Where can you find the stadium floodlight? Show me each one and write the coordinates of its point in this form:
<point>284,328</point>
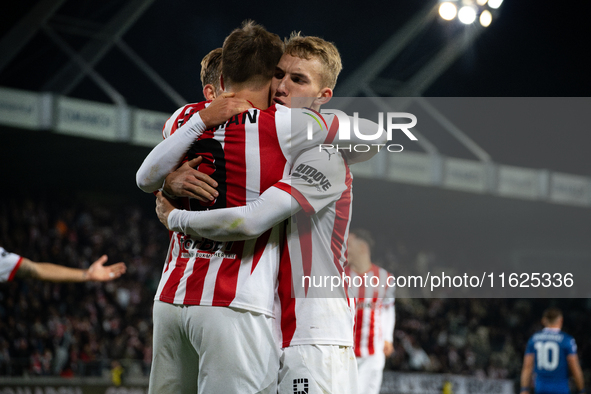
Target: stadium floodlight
<point>494,4</point>
<point>448,11</point>
<point>481,2</point>
<point>467,15</point>
<point>485,18</point>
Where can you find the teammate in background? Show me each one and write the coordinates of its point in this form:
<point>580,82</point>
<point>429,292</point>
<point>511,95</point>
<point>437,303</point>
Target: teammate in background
<point>374,323</point>
<point>14,266</point>
<point>550,354</point>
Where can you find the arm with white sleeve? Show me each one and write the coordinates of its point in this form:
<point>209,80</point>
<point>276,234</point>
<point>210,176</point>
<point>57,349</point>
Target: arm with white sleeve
<point>167,155</point>
<point>276,204</point>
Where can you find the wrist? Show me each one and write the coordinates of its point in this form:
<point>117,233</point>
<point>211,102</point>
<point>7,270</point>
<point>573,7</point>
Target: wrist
<point>165,192</point>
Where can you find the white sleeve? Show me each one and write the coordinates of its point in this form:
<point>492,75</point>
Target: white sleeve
<point>9,264</point>
<point>318,177</point>
<point>166,156</point>
<point>238,223</point>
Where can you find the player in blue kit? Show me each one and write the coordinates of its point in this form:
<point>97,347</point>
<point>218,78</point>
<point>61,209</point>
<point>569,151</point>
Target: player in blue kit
<point>550,354</point>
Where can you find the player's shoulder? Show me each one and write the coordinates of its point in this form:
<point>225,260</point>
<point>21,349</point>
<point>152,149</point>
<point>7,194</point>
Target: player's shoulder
<point>180,116</point>
<point>191,108</point>
<point>567,337</point>
<point>5,255</point>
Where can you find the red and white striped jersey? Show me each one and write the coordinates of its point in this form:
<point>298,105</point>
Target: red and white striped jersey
<point>246,155</point>
<point>314,310</point>
<point>375,316</point>
<point>9,263</point>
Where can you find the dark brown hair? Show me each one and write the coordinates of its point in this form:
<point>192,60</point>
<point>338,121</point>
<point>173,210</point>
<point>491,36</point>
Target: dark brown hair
<point>551,315</point>
<point>250,55</point>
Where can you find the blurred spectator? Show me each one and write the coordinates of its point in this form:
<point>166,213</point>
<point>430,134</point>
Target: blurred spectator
<point>76,329</point>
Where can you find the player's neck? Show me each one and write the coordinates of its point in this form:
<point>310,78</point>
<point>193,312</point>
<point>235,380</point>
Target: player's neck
<point>361,266</point>
<point>259,97</point>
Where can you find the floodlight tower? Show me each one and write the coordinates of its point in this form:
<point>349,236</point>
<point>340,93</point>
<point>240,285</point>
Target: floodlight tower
<point>473,16</point>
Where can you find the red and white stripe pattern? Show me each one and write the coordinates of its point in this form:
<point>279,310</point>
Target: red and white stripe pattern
<point>374,320</point>
<point>239,274</point>
<point>246,156</point>
<point>316,247</point>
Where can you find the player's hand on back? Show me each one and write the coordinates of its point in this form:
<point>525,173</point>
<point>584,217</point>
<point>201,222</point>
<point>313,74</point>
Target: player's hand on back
<point>223,108</point>
<point>186,181</point>
<point>164,206</point>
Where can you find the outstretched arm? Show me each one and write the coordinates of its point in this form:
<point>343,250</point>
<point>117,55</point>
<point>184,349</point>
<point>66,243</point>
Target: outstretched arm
<point>58,273</point>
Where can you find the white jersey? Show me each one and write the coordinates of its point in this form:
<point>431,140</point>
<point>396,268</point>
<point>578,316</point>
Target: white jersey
<point>247,155</point>
<point>375,317</point>
<point>9,264</point>
<point>312,313</point>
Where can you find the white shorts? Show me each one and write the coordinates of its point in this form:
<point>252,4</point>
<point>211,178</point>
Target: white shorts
<point>371,370</point>
<point>205,349</point>
<point>316,369</point>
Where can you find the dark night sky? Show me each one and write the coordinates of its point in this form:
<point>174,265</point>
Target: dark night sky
<point>535,48</point>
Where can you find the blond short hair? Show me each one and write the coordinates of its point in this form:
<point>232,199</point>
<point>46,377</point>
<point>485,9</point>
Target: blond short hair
<point>307,47</point>
<point>211,68</point>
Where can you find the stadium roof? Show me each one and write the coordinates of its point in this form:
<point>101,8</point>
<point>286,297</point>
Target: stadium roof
<point>535,48</point>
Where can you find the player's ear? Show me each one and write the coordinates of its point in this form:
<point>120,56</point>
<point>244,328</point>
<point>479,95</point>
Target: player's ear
<point>323,97</point>
<point>209,92</point>
<point>222,82</point>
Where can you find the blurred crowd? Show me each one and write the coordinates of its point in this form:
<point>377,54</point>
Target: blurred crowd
<point>89,329</point>
<point>483,337</point>
<point>79,329</point>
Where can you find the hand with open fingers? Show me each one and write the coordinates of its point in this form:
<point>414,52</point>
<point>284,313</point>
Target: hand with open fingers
<point>186,181</point>
<point>99,272</point>
<point>223,108</point>
<point>163,208</point>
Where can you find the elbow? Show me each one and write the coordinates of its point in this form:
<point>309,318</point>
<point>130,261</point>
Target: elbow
<point>249,231</point>
<point>143,182</point>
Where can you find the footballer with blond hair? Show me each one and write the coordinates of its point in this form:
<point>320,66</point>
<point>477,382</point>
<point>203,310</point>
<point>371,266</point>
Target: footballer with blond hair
<point>316,331</point>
